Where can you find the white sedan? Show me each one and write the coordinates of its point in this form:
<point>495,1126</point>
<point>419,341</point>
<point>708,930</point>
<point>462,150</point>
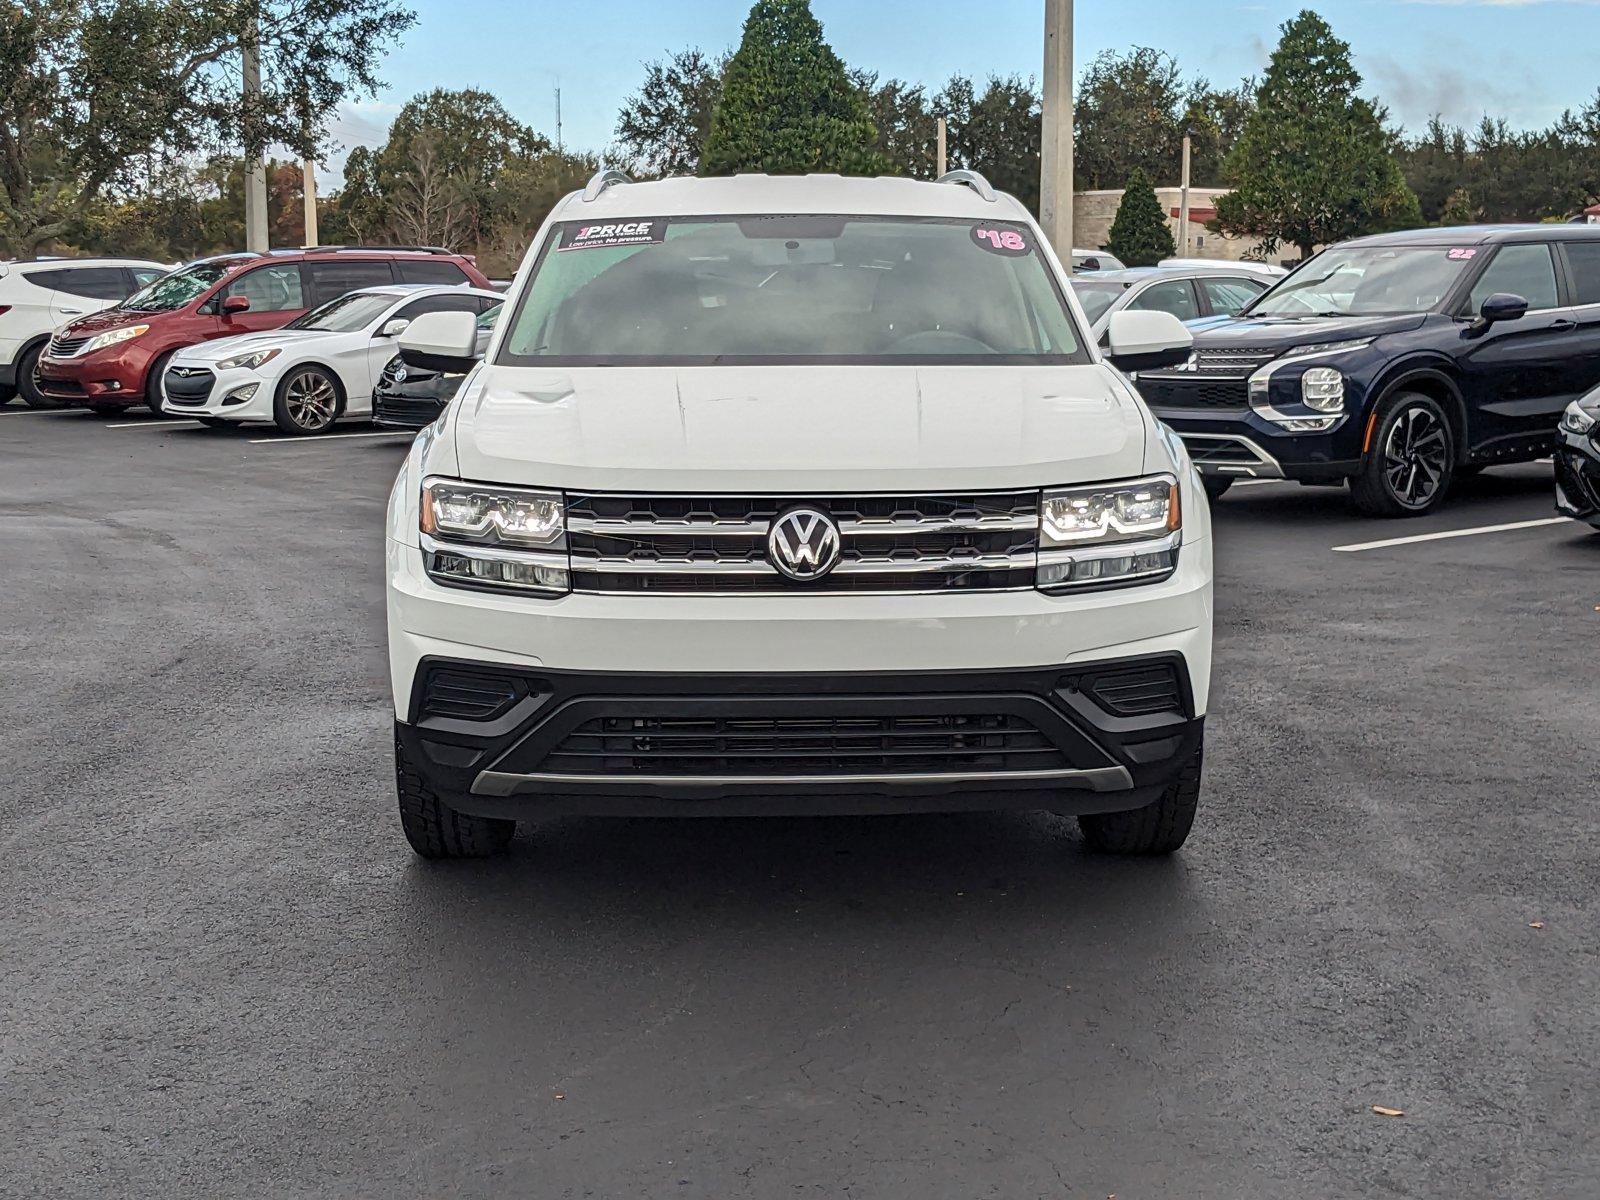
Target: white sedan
<point>318,368</point>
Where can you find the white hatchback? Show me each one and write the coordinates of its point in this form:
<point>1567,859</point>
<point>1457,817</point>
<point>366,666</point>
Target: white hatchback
<point>317,369</point>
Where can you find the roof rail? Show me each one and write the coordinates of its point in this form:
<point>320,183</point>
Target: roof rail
<point>412,249</point>
<point>972,180</point>
<point>601,180</point>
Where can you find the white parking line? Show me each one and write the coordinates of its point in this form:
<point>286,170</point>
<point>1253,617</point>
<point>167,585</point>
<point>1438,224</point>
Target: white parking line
<point>151,423</point>
<point>285,440</point>
<point>45,412</point>
<point>1452,533</point>
<point>1256,482</point>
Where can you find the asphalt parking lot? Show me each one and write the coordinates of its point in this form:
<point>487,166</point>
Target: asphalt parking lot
<point>226,974</point>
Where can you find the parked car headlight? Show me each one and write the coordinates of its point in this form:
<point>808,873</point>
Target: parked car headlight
<point>1322,388</point>
<point>1581,416</point>
<point>112,337</point>
<point>482,535</point>
<point>249,361</point>
<point>1109,534</point>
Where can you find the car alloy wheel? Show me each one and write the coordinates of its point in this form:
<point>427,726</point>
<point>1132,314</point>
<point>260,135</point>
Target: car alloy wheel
<point>311,401</point>
<point>1416,457</point>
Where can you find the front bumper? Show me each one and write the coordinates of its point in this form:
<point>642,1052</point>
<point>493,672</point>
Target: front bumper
<point>1101,737</point>
<point>952,657</point>
<point>1242,444</point>
<point>213,393</point>
<point>113,376</point>
<point>1577,466</point>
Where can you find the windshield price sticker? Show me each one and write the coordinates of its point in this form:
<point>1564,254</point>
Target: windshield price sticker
<point>616,233</point>
<point>999,239</point>
<point>1462,253</point>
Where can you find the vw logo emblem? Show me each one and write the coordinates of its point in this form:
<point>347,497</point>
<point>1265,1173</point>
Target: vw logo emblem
<point>803,543</point>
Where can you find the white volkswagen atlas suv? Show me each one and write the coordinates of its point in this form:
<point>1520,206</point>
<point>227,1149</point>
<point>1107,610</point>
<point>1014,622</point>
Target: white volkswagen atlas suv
<point>796,495</point>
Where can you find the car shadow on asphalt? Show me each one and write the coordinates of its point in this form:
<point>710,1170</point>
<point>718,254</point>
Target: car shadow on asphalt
<point>1484,496</point>
<point>920,868</point>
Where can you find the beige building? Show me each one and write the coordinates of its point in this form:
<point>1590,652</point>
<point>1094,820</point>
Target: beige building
<point>1093,213</point>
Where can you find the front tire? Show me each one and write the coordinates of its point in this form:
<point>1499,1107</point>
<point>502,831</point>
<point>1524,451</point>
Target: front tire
<point>1408,470</point>
<point>308,402</point>
<point>1158,828</point>
<point>434,829</point>
<point>28,379</point>
<point>152,382</point>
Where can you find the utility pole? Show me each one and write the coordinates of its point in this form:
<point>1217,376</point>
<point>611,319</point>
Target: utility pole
<point>308,188</point>
<point>941,169</point>
<point>255,172</point>
<point>560,149</point>
<point>1183,203</point>
<point>1055,157</point>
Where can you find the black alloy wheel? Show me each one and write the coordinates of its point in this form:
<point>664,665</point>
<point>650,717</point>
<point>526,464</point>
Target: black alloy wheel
<point>1411,461</point>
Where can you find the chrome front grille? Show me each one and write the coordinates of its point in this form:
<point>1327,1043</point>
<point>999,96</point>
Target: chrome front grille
<point>66,347</point>
<point>984,541</point>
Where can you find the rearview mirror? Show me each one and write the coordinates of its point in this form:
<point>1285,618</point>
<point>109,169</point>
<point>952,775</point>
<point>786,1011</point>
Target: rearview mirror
<point>1502,306</point>
<point>441,341</point>
<point>1147,340</point>
<point>394,327</point>
<point>235,304</point>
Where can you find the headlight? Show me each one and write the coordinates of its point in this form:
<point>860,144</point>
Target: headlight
<point>1109,534</point>
<point>1320,348</point>
<point>112,336</point>
<point>1322,388</point>
<point>1581,415</point>
<point>482,535</point>
<point>250,361</point>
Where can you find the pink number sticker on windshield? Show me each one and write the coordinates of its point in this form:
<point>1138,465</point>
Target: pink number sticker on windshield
<point>1461,253</point>
<point>1000,240</point>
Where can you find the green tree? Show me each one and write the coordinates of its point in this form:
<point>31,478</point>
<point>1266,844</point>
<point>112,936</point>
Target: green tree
<point>92,91</point>
<point>1128,118</point>
<point>1458,209</point>
<point>439,170</point>
<point>995,132</point>
<point>1139,235</point>
<point>787,103</point>
<point>908,130</point>
<point>662,127</point>
<point>1315,163</point>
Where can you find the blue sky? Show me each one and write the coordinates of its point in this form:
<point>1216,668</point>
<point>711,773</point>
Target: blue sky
<point>1525,60</point>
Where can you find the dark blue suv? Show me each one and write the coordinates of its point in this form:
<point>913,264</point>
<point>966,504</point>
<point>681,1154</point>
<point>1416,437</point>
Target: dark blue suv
<point>1397,362</point>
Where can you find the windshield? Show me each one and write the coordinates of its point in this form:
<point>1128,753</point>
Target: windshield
<point>1096,297</point>
<point>790,289</point>
<point>1369,281</point>
<point>489,316</point>
<point>172,292</point>
<point>346,314</point>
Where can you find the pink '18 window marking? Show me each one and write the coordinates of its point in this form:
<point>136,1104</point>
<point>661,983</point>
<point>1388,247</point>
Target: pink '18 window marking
<point>1003,239</point>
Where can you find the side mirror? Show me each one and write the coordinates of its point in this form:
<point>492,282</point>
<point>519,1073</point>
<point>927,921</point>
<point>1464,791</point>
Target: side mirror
<point>394,327</point>
<point>235,304</point>
<point>1502,306</point>
<point>1147,340</point>
<point>441,341</point>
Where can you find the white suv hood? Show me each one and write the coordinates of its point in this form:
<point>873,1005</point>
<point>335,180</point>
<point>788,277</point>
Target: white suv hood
<point>811,429</point>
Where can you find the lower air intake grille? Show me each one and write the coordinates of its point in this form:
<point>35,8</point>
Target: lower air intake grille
<point>834,745</point>
<point>468,696</point>
<point>1137,691</point>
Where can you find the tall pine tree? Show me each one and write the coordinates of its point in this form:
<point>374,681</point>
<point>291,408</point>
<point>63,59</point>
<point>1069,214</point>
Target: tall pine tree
<point>1139,235</point>
<point>1315,163</point>
<point>788,106</point>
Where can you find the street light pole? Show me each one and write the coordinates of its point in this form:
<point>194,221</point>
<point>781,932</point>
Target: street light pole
<point>1055,150</point>
<point>1183,201</point>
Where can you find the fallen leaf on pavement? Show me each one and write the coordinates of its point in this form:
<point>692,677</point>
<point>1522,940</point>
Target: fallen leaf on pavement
<point>1535,924</point>
<point>1387,1112</point>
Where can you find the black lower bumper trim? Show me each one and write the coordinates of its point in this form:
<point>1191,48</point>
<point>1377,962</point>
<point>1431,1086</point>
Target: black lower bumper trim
<point>1065,739</point>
